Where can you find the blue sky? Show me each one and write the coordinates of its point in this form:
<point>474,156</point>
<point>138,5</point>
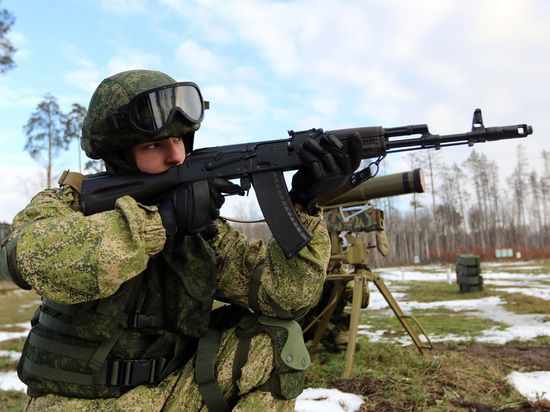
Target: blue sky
<point>271,66</point>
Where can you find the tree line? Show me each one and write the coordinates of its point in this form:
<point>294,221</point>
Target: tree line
<point>467,209</point>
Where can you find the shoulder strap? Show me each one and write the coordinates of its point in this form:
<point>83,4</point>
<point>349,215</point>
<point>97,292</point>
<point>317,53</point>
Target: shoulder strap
<point>253,290</point>
<point>205,371</point>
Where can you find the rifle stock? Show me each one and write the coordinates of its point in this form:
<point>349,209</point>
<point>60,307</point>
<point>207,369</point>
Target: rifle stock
<point>262,164</point>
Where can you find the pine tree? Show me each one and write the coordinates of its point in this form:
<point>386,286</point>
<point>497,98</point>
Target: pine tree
<point>46,133</point>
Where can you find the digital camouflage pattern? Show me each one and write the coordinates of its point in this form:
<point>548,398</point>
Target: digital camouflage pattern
<point>370,220</point>
<point>179,392</point>
<point>69,258</point>
<point>94,255</point>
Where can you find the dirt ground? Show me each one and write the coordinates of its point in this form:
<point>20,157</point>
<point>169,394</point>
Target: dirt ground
<point>505,358</point>
<point>534,359</point>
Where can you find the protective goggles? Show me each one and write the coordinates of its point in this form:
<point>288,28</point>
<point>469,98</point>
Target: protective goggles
<point>151,111</point>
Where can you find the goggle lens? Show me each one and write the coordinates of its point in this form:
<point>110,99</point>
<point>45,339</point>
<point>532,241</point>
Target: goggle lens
<point>152,110</point>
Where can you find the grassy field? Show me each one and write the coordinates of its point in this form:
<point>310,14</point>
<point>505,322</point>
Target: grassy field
<point>455,376</point>
<point>16,307</point>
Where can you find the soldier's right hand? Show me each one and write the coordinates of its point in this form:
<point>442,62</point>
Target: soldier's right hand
<point>193,207</point>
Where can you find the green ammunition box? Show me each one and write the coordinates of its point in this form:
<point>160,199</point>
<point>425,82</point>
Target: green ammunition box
<point>468,270</point>
<point>467,260</point>
<point>470,280</point>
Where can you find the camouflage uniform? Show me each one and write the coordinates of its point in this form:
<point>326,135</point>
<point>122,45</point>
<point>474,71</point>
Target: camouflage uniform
<point>70,258</point>
<point>121,297</point>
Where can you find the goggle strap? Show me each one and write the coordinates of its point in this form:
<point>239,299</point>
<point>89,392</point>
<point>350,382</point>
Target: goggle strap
<point>109,124</point>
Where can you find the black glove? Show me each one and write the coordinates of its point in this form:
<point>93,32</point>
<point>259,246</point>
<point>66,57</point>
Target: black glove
<point>327,166</point>
<point>193,207</point>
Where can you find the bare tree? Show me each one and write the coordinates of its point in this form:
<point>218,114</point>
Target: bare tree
<point>462,196</point>
<point>493,194</point>
<point>518,182</point>
<point>535,217</point>
<point>413,161</point>
<point>431,163</point>
<point>486,211</point>
<point>449,219</point>
<point>545,195</point>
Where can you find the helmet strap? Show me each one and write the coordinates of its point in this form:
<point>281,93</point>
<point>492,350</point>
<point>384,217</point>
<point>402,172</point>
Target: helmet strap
<point>128,157</point>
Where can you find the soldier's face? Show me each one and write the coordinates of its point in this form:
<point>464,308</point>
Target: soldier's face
<point>158,157</point>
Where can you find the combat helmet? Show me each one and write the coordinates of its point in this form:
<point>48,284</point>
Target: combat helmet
<point>138,106</point>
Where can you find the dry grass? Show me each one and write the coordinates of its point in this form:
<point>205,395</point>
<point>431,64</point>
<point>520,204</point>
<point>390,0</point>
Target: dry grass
<point>16,305</point>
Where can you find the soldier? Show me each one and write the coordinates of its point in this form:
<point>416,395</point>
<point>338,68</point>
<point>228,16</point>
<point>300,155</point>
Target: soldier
<point>127,319</point>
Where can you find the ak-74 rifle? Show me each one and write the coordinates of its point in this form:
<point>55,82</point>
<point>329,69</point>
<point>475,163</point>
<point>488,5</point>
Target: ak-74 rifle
<point>261,165</point>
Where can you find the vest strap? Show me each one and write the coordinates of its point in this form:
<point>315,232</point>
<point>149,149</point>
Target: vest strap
<point>99,356</point>
<point>58,375</point>
<point>206,373</point>
<point>56,324</point>
<point>254,287</point>
<point>253,292</point>
<point>68,310</point>
<point>241,356</point>
<point>114,372</point>
<point>58,348</point>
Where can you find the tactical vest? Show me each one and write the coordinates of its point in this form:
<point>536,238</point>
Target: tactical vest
<point>148,329</point>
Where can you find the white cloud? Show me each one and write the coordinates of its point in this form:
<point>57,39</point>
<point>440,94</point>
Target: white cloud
<point>198,61</point>
<point>176,5</point>
<point>83,73</point>
<point>234,110</point>
<point>129,59</point>
<point>84,79</point>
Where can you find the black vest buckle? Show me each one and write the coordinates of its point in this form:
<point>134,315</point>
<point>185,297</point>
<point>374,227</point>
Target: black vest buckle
<point>135,372</point>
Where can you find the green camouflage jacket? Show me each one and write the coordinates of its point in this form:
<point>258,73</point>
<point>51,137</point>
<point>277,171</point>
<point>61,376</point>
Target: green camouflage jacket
<point>70,258</point>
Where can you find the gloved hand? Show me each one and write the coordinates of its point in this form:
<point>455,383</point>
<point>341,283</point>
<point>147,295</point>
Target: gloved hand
<point>327,166</point>
<point>193,207</point>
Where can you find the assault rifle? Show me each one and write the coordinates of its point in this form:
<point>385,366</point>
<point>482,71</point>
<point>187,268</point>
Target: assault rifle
<point>261,165</point>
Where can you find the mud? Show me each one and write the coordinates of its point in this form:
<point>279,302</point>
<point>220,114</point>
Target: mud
<point>533,359</point>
